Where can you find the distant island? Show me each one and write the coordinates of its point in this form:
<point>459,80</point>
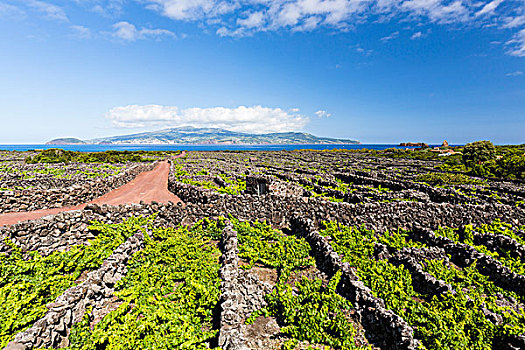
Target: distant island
<point>206,136</point>
<point>66,141</point>
<point>414,144</point>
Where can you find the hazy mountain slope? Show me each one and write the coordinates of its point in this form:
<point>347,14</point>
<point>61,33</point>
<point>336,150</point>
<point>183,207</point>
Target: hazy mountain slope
<point>190,135</point>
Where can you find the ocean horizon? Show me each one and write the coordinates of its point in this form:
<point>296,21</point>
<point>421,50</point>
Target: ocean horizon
<point>162,147</point>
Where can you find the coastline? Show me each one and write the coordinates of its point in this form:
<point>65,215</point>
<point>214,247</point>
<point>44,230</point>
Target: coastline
<point>196,147</point>
<point>199,144</point>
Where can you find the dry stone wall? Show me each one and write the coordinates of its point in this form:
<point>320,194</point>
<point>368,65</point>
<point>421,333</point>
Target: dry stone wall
<point>422,281</point>
<point>53,329</point>
<point>241,294</point>
<point>463,255</point>
<point>59,231</point>
<point>42,198</point>
<point>378,216</point>
<point>385,327</point>
<point>501,244</point>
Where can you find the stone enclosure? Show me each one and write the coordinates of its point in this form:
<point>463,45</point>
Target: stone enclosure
<point>297,194</point>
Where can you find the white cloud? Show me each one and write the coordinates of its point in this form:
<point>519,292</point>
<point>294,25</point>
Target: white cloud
<point>309,24</point>
<point>514,74</point>
<point>254,20</point>
<point>106,8</point>
<point>192,9</point>
<point>321,114</point>
<point>127,31</point>
<point>81,32</point>
<point>362,51</point>
<point>145,32</point>
<point>256,119</point>
<point>517,44</point>
<point>514,22</point>
<point>489,8</point>
<point>7,10</point>
<point>416,35</point>
<point>392,36</point>
<point>438,10</point>
<point>244,17</point>
<point>50,11</point>
<point>239,32</point>
<point>239,18</point>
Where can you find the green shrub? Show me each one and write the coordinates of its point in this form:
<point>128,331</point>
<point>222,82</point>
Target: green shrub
<point>509,164</point>
<point>55,155</point>
<point>478,152</point>
<point>452,163</point>
<point>314,312</point>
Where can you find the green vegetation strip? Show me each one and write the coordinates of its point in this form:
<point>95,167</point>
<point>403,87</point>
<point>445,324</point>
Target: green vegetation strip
<point>482,293</point>
<point>234,186</point>
<point>29,173</point>
<point>448,179</point>
<point>310,310</point>
<point>98,170</point>
<point>28,283</point>
<point>55,155</point>
<point>168,295</point>
<point>447,321</point>
<point>505,257</point>
<point>259,243</point>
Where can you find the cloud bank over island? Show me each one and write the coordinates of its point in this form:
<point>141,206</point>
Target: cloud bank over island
<point>255,119</point>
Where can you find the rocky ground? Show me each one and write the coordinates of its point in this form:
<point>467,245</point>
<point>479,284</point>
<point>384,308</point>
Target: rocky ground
<point>355,252</point>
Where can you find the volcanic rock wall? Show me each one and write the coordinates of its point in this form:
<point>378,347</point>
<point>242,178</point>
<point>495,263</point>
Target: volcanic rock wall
<point>378,216</point>
<point>41,198</point>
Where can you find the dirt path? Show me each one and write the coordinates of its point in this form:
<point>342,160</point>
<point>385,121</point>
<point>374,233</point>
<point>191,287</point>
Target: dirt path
<point>149,186</point>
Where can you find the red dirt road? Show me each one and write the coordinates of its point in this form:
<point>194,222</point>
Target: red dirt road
<point>149,186</point>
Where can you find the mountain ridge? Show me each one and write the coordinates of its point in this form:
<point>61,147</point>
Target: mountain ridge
<point>206,136</point>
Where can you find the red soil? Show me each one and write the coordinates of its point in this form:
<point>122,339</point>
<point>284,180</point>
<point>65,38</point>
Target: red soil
<point>149,186</point>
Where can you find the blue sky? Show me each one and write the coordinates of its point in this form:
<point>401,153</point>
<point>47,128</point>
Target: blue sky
<point>380,71</point>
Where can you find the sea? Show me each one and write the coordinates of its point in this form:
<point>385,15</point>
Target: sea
<point>101,148</point>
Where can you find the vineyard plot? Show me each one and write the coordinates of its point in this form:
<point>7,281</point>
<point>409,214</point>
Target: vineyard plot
<point>302,308</point>
<point>472,312</point>
<point>173,291</point>
<point>346,250</point>
<point>30,281</point>
<point>168,296</point>
<point>343,176</point>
